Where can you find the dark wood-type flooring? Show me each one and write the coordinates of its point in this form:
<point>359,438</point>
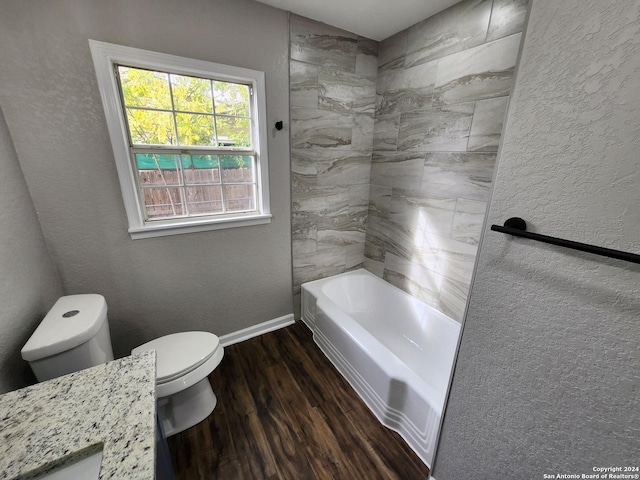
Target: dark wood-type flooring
<point>284,412</point>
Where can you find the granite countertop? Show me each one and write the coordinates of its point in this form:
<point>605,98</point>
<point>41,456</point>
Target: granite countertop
<point>110,407</point>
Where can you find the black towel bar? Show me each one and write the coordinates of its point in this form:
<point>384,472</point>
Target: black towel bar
<point>518,228</point>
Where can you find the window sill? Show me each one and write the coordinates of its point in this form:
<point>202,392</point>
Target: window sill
<point>161,229</point>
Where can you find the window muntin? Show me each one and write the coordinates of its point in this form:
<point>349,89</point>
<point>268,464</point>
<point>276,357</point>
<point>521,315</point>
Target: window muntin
<point>168,112</point>
<point>183,185</point>
<point>165,108</point>
<point>226,176</point>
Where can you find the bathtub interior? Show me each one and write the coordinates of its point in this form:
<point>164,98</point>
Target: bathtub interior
<point>421,337</point>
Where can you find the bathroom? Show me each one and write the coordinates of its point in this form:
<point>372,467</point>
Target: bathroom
<point>539,320</point>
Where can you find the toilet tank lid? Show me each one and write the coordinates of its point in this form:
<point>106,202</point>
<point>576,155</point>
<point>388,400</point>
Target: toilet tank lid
<point>72,321</point>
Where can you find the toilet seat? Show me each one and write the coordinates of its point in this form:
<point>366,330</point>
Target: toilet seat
<point>183,359</point>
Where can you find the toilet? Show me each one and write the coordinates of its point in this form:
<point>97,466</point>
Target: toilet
<point>74,335</point>
<point>183,362</point>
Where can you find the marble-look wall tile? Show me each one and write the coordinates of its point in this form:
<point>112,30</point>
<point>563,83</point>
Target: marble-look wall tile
<point>374,247</point>
<point>318,128</point>
<point>359,216</point>
<point>354,256</point>
<point>396,64</point>
<point>325,201</point>
<point>346,93</point>
<point>333,82</point>
<point>398,170</point>
<point>486,128</point>
<point>377,268</point>
<point>455,29</point>
<point>434,146</point>
<point>300,182</point>
<point>304,170</point>
<point>343,169</point>
<point>507,18</point>
<point>466,175</point>
<point>412,278</point>
<point>384,237</point>
<point>385,132</point>
<point>391,51</point>
<point>303,85</point>
<point>320,44</point>
<point>358,223</point>
<point>442,129</point>
<point>303,233</point>
<point>418,213</point>
<point>344,221</point>
<point>400,239</point>
<point>411,212</point>
<point>319,264</point>
<point>453,299</point>
<point>328,238</point>
<point>406,89</point>
<point>358,219</point>
<point>430,285</point>
<point>379,200</point>
<point>468,220</point>
<point>367,58</point>
<point>359,198</point>
<point>482,72</point>
<point>449,258</point>
<point>362,132</point>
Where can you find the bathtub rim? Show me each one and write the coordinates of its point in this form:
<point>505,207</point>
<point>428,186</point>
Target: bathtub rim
<point>315,287</point>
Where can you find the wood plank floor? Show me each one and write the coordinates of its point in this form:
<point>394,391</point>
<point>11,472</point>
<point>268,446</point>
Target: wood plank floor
<point>284,412</point>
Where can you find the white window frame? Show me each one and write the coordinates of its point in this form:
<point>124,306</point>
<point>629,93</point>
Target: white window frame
<point>105,56</point>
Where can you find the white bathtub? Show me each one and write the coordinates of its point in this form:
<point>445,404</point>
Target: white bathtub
<point>395,351</point>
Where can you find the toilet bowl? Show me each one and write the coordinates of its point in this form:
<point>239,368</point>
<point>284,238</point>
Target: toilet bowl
<point>183,362</point>
<point>74,335</point>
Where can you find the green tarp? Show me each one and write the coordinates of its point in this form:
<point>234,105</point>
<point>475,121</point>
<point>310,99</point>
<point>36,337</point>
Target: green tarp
<point>146,161</point>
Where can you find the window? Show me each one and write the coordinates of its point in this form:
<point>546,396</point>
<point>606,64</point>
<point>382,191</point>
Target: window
<point>189,139</point>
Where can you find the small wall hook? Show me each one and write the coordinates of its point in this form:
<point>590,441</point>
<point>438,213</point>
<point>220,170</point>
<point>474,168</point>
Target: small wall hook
<point>279,125</point>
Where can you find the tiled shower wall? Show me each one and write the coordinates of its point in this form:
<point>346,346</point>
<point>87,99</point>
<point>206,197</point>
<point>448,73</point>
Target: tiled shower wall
<point>442,92</point>
<point>393,147</point>
<point>333,81</point>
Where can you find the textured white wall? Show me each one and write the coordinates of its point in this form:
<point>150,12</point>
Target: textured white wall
<point>547,378</point>
<point>29,284</point>
<point>219,281</point>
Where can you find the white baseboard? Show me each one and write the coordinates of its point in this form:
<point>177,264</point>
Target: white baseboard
<point>256,330</point>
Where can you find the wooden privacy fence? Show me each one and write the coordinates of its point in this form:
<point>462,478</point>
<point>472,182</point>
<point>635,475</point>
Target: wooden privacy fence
<point>202,192</point>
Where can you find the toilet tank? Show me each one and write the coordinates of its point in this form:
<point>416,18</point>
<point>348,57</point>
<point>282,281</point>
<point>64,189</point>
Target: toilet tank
<point>74,335</point>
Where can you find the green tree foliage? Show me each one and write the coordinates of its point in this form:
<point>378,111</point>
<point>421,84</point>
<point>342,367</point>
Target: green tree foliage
<point>168,109</point>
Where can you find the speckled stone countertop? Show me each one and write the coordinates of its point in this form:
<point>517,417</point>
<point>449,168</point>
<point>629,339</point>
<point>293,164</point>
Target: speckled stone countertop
<point>110,407</point>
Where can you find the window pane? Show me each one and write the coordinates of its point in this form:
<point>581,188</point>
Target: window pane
<point>163,202</point>
<point>151,127</point>
<point>191,94</point>
<point>200,169</point>
<point>237,168</point>
<point>239,198</point>
<point>195,129</point>
<point>157,169</point>
<point>233,132</point>
<point>203,200</point>
<point>231,98</point>
<point>144,88</point>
